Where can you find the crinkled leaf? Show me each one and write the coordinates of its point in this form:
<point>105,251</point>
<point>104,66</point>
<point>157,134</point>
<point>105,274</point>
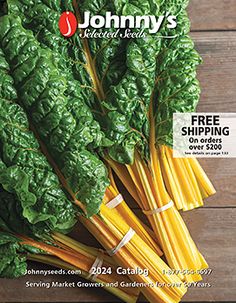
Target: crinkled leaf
<point>23,168</point>
<point>12,219</point>
<point>123,67</point>
<point>55,106</point>
<point>12,262</point>
<point>127,92</point>
<point>177,88</point>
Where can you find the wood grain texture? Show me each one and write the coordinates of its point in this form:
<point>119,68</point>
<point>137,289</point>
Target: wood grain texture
<point>214,232</point>
<point>217,74</point>
<point>212,14</point>
<point>222,173</point>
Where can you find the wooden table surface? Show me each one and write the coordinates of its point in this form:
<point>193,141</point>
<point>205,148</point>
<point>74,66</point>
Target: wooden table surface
<point>213,227</point>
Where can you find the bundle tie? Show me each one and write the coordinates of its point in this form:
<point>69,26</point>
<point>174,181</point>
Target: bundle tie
<point>159,210</point>
<point>114,202</point>
<point>97,264</point>
<point>127,237</point>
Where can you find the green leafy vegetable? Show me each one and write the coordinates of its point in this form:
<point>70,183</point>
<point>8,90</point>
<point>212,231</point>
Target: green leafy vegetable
<point>127,83</point>
<point>12,261</point>
<point>23,168</point>
<point>12,219</point>
<point>124,74</point>
<point>55,106</point>
<point>158,67</point>
<point>177,88</point>
<point>115,84</point>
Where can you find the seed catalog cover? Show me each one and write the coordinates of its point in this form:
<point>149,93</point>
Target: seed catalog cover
<point>117,151</point>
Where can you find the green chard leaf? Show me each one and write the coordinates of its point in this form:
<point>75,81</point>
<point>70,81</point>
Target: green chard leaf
<point>128,94</point>
<point>131,94</point>
<point>12,261</point>
<point>177,88</point>
<point>127,80</point>
<point>56,109</point>
<point>24,170</point>
<point>42,18</point>
<point>156,67</point>
<point>13,252</point>
<point>12,219</point>
<point>123,70</point>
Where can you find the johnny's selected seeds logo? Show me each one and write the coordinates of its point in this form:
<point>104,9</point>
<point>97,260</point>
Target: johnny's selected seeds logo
<point>68,24</point>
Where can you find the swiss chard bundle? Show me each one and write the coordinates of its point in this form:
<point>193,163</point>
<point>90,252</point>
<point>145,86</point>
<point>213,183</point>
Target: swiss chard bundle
<point>71,63</point>
<point>64,123</point>
<point>121,79</point>
<point>111,98</point>
<point>133,105</point>
<point>51,104</point>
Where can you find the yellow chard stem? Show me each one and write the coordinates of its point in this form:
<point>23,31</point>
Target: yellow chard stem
<point>185,181</point>
<point>136,244</point>
<point>161,226</point>
<point>130,258</point>
<point>201,176</point>
<point>178,245</point>
<point>129,217</point>
<point>199,201</point>
<point>183,245</point>
<point>79,247</point>
<point>172,179</point>
<point>123,173</point>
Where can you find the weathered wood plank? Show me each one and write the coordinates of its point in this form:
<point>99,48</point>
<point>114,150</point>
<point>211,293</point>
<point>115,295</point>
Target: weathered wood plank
<point>222,172</point>
<point>212,14</point>
<point>214,232</point>
<point>217,74</point>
